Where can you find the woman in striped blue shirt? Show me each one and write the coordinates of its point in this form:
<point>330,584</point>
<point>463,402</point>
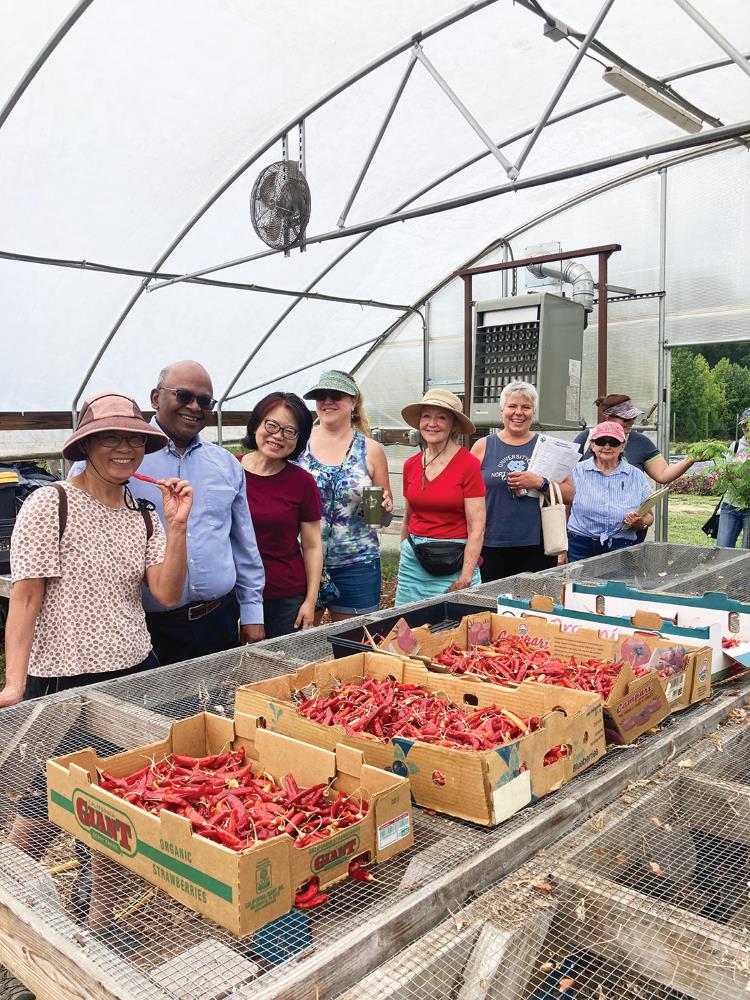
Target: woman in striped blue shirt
<point>604,514</point>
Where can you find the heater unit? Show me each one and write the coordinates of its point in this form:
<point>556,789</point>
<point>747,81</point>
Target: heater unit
<point>538,339</point>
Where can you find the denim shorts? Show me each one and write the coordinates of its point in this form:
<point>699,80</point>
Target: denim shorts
<point>359,587</point>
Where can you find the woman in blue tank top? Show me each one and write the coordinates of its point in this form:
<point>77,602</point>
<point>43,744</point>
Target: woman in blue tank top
<point>513,533</point>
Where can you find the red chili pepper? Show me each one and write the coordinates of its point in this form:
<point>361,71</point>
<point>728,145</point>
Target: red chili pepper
<point>310,904</point>
<point>145,479</point>
<point>308,891</point>
<point>358,873</point>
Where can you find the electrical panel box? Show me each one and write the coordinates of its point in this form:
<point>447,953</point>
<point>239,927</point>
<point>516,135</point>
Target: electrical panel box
<point>537,339</point>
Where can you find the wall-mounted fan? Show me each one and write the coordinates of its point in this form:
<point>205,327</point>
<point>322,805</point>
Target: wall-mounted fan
<point>280,205</point>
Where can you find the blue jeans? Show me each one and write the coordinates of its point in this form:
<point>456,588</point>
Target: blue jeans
<point>732,520</point>
<point>582,547</point>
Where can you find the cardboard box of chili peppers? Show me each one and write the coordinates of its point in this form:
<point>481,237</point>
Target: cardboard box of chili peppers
<point>532,649</point>
<point>474,751</point>
<point>180,812</point>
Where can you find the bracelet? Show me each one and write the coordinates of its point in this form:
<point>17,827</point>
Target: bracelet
<point>545,485</point>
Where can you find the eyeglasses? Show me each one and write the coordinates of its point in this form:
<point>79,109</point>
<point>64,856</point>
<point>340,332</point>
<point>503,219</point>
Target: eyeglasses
<point>115,440</point>
<point>333,394</point>
<point>185,397</point>
<point>612,442</point>
<point>288,433</point>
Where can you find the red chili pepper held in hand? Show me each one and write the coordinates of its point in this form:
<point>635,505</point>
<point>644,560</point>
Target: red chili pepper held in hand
<point>144,479</point>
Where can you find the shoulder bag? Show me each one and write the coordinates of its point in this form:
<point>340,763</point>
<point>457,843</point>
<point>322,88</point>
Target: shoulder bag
<point>711,527</point>
<point>554,525</point>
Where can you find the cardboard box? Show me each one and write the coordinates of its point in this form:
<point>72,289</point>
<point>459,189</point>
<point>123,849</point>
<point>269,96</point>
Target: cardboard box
<point>682,688</point>
<point>723,616</point>
<point>240,891</point>
<point>635,704</point>
<point>482,786</point>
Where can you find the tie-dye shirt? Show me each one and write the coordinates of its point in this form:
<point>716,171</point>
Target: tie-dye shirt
<point>346,537</point>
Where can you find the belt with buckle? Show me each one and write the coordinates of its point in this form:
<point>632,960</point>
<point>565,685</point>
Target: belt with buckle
<point>191,612</point>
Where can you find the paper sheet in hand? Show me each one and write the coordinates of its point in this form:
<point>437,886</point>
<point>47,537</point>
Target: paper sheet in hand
<point>553,458</point>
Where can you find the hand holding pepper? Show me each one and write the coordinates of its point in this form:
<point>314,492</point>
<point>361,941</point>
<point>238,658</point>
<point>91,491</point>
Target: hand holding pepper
<point>177,497</point>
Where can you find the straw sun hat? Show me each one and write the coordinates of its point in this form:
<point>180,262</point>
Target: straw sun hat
<point>446,400</point>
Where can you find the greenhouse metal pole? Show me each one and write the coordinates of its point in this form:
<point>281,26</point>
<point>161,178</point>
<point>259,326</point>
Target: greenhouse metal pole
<point>468,330</point>
<point>590,35</point>
<point>734,54</point>
<point>601,328</point>
<point>661,529</point>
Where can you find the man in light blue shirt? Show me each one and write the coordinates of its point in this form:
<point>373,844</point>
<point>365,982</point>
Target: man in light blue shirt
<point>225,576</point>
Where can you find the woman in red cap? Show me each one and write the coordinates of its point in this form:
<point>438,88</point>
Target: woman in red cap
<point>609,492</point>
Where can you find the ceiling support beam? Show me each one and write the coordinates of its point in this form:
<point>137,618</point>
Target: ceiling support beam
<point>468,117</point>
<point>560,89</point>
<point>734,54</point>
<point>377,140</point>
<point>707,138</point>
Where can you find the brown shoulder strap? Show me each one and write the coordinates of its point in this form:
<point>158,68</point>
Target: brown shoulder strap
<point>62,506</point>
<point>149,522</point>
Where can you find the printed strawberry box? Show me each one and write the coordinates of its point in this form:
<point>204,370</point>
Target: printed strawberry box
<point>369,817</point>
<point>554,734</point>
<point>636,700</point>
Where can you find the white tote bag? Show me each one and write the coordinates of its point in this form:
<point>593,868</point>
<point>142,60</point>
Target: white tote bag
<point>554,526</point>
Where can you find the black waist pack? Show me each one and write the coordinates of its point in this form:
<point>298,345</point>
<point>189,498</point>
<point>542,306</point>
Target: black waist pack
<point>439,558</point>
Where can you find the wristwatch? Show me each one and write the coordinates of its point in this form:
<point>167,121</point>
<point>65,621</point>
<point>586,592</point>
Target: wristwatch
<point>545,485</point>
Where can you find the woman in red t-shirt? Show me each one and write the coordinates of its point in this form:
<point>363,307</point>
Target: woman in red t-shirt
<point>285,507</point>
<point>444,498</point>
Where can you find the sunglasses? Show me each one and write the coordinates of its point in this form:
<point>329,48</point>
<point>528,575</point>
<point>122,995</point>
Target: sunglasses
<point>185,397</point>
<point>115,440</point>
<point>333,394</point>
<point>602,442</point>
<point>288,433</point>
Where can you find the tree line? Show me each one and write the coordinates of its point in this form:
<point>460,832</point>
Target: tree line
<point>709,392</point>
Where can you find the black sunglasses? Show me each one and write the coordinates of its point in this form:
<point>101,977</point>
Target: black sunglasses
<point>612,442</point>
<point>185,397</point>
<point>333,394</point>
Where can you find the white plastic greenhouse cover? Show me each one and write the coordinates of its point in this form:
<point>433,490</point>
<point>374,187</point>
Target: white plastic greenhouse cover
<point>146,116</point>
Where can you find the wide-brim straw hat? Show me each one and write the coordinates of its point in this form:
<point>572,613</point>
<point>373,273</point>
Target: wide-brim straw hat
<point>111,412</point>
<point>446,400</point>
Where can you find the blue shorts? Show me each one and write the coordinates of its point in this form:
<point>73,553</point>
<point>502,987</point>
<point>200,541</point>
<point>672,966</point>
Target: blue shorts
<point>359,587</point>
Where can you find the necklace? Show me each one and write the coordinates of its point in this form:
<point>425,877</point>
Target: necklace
<point>425,463</point>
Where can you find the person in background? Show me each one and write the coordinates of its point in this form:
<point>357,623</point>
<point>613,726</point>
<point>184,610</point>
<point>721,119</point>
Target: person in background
<point>285,508</point>
<point>640,450</point>
<point>444,497</point>
<point>225,577</point>
<point>608,492</point>
<point>733,518</point>
<point>343,460</point>
<point>513,533</point>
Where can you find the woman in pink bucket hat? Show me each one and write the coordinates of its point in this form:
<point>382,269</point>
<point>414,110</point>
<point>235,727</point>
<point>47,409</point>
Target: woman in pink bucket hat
<point>79,553</point>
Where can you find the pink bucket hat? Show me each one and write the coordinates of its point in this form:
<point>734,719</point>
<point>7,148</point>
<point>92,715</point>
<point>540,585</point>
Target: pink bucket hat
<point>608,428</point>
<point>111,412</point>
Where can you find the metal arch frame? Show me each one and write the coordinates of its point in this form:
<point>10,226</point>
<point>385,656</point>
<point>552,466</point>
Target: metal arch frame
<point>589,105</point>
<point>735,131</point>
<point>42,56</point>
<point>364,71</point>
<point>80,9</point>
<point>452,19</point>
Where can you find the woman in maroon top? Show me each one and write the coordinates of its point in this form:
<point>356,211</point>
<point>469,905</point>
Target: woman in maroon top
<point>285,506</point>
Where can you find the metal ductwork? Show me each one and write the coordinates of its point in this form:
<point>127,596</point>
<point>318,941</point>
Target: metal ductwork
<point>575,274</point>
